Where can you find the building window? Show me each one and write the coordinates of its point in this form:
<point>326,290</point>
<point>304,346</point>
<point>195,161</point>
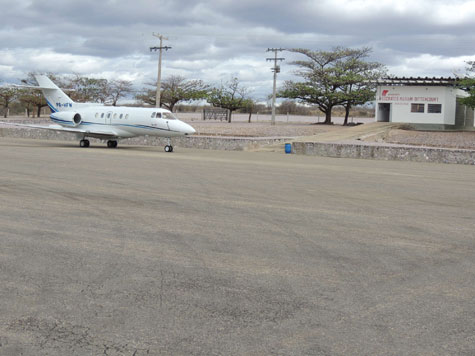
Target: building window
<point>434,108</point>
<point>417,108</point>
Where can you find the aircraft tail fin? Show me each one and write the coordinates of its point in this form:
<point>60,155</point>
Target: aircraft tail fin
<point>57,100</point>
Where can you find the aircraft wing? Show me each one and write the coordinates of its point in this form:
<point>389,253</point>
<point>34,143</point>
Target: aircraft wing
<point>101,133</point>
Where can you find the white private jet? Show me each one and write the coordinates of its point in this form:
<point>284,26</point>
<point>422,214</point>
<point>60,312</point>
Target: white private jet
<point>109,123</point>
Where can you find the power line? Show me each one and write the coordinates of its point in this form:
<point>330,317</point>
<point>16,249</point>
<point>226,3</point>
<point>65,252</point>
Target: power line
<point>159,77</point>
<point>275,69</point>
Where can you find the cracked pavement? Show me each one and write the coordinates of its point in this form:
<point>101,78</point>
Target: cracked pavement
<point>133,251</point>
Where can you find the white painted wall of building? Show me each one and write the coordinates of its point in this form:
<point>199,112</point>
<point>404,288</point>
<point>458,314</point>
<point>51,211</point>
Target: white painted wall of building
<point>401,98</point>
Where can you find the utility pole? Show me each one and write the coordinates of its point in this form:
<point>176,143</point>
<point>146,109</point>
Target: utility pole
<point>159,79</point>
<point>275,69</point>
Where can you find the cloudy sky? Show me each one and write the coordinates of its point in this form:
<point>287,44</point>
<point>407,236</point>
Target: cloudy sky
<point>215,40</point>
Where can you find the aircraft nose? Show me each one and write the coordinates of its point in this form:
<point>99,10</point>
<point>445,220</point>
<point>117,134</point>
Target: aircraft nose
<point>188,129</point>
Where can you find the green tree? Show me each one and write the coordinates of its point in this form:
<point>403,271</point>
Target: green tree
<point>231,96</point>
<point>359,78</point>
<point>117,89</point>
<point>330,78</point>
<point>32,98</point>
<point>148,95</point>
<point>177,88</point>
<point>250,107</point>
<point>88,90</point>
<point>468,84</point>
<point>174,89</point>
<point>7,96</point>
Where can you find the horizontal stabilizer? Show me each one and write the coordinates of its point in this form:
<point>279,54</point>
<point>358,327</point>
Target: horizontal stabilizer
<point>20,86</point>
<point>98,133</point>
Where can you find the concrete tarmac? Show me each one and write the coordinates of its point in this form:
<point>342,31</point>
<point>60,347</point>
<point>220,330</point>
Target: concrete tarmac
<point>134,251</point>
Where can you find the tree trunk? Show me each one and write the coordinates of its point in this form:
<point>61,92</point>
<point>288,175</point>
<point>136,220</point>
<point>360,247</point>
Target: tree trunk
<point>171,106</point>
<point>250,114</point>
<point>229,115</point>
<point>328,117</point>
<point>38,111</point>
<point>5,107</point>
<point>347,114</point>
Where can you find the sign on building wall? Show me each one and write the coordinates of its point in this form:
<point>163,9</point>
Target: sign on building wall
<point>392,96</point>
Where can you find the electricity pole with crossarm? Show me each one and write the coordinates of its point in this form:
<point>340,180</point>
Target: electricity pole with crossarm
<point>159,79</point>
<point>275,69</point>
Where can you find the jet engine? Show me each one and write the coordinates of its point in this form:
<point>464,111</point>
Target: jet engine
<point>67,118</point>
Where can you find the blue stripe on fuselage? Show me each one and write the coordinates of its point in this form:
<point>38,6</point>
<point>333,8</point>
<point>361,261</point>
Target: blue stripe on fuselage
<point>64,122</point>
<point>128,125</point>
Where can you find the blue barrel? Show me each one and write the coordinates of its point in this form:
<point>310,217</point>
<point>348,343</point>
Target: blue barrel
<point>288,148</point>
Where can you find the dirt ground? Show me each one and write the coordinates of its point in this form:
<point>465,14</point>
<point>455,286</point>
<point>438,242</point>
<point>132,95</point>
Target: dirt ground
<point>465,140</point>
<point>460,139</point>
<point>242,129</point>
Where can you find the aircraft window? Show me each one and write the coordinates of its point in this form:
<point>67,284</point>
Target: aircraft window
<point>97,115</point>
<point>120,117</point>
<point>115,116</point>
<point>153,115</point>
<point>108,115</point>
<point>168,116</point>
<point>159,114</point>
<point>102,115</point>
<point>126,116</point>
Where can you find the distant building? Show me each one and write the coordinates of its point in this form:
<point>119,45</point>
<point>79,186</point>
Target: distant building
<point>426,103</point>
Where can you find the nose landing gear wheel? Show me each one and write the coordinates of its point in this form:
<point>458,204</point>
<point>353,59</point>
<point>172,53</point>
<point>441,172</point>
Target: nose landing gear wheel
<point>84,143</point>
<point>112,144</point>
<point>168,148</point>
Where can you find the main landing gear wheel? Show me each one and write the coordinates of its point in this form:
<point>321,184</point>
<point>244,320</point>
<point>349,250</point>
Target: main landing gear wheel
<point>168,148</point>
<point>84,143</point>
<point>112,144</point>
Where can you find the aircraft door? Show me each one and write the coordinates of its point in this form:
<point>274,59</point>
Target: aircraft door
<point>158,121</point>
<point>154,120</point>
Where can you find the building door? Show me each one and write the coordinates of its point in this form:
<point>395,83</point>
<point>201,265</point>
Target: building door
<point>469,118</point>
<point>384,112</point>
<point>461,112</point>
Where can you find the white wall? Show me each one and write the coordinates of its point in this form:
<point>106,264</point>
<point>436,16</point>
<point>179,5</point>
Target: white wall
<point>401,98</point>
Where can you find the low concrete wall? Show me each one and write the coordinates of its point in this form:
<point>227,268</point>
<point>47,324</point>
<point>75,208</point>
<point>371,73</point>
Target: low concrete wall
<point>385,152</point>
<point>204,142</point>
<point>339,150</point>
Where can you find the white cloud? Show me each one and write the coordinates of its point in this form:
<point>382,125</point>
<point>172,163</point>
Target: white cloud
<point>442,12</point>
<point>213,40</point>
<point>430,65</point>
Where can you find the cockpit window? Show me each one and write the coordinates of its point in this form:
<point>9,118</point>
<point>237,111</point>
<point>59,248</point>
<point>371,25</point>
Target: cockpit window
<point>168,116</point>
<point>159,115</point>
